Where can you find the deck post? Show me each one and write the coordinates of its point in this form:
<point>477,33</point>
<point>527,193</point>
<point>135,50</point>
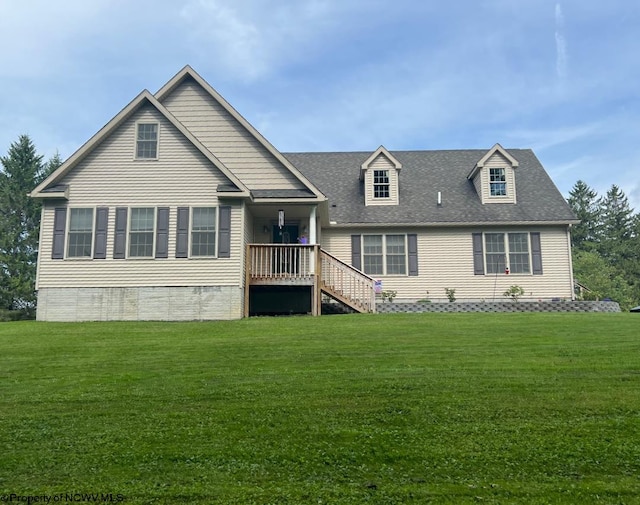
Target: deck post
<point>317,282</point>
<point>247,279</point>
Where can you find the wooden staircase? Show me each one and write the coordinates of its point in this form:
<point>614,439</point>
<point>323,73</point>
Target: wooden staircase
<point>346,284</point>
<point>301,264</point>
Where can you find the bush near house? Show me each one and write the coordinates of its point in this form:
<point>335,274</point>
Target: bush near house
<point>407,408</point>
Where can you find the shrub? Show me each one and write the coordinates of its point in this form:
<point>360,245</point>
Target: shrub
<point>514,292</point>
<point>451,294</point>
<point>389,295</point>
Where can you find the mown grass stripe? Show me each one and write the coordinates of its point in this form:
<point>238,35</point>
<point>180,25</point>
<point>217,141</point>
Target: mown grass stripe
<point>424,408</point>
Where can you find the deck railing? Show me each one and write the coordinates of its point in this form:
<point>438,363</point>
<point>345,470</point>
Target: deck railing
<point>347,283</point>
<point>281,261</point>
<point>303,264</point>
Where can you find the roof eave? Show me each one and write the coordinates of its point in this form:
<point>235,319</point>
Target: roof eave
<point>304,200</point>
<point>445,224</point>
<point>51,195</point>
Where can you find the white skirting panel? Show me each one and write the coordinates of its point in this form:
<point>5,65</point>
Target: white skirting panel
<point>140,304</point>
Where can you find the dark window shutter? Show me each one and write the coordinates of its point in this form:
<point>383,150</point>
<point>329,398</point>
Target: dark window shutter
<point>224,232</point>
<point>478,254</point>
<point>100,243</point>
<point>162,233</point>
<point>59,226</point>
<point>536,253</point>
<point>120,240</point>
<point>182,233</point>
<point>412,243</point>
<point>356,255</point>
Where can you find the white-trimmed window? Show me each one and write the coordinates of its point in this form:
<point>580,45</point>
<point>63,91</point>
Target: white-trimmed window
<point>384,254</point>
<point>381,184</point>
<point>497,182</point>
<point>372,254</point>
<point>203,231</point>
<point>80,235</point>
<point>141,232</point>
<point>507,251</point>
<point>147,141</point>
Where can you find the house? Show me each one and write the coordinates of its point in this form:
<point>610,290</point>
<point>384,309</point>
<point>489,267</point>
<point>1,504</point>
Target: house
<point>179,209</point>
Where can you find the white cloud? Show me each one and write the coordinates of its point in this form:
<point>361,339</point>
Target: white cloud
<point>253,39</point>
<point>561,46</point>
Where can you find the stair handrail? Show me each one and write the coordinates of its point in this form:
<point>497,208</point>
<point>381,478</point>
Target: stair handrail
<point>366,295</point>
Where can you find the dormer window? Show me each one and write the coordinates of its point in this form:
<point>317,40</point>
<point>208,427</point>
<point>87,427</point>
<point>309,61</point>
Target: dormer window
<point>381,184</point>
<point>494,176</point>
<point>497,182</point>
<point>380,176</point>
<point>147,141</point>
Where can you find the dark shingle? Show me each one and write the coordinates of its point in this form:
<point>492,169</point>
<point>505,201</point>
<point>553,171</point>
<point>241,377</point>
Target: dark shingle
<point>282,193</point>
<point>423,174</point>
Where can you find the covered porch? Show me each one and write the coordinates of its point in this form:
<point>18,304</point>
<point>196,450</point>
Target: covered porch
<point>283,254</point>
<point>306,266</point>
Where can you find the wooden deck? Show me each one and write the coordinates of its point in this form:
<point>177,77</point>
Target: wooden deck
<point>308,265</point>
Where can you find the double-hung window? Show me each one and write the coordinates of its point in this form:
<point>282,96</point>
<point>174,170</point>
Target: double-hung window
<point>519,253</point>
<point>497,182</point>
<point>203,231</point>
<point>396,260</point>
<point>372,254</point>
<point>507,251</point>
<point>147,141</point>
<point>381,184</point>
<point>80,233</point>
<point>141,232</point>
<point>384,254</point>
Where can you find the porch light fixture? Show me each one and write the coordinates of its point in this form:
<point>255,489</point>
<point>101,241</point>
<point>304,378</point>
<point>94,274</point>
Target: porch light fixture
<point>281,218</point>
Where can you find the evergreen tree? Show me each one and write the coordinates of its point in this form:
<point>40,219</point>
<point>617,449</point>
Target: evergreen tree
<point>616,226</point>
<point>49,167</point>
<point>20,171</point>
<point>584,203</point>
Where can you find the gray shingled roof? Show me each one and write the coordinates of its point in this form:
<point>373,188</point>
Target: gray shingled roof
<point>282,193</point>
<point>423,174</point>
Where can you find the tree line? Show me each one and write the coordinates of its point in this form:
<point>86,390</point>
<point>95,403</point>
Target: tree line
<point>21,170</point>
<point>605,244</point>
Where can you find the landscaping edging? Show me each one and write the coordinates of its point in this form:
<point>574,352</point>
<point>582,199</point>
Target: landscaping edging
<point>387,308</point>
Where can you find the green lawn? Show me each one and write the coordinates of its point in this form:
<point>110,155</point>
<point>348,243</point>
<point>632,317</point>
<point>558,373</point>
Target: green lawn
<point>416,408</point>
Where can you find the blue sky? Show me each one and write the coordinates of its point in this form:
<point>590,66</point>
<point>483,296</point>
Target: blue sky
<point>559,76</point>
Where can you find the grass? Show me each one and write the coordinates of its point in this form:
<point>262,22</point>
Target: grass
<point>415,408</point>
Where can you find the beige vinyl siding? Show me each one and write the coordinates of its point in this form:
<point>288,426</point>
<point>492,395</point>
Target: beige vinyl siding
<point>445,260</point>
<point>111,177</point>
<point>497,161</point>
<point>227,139</point>
<point>381,163</point>
<point>141,272</point>
<point>477,183</point>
